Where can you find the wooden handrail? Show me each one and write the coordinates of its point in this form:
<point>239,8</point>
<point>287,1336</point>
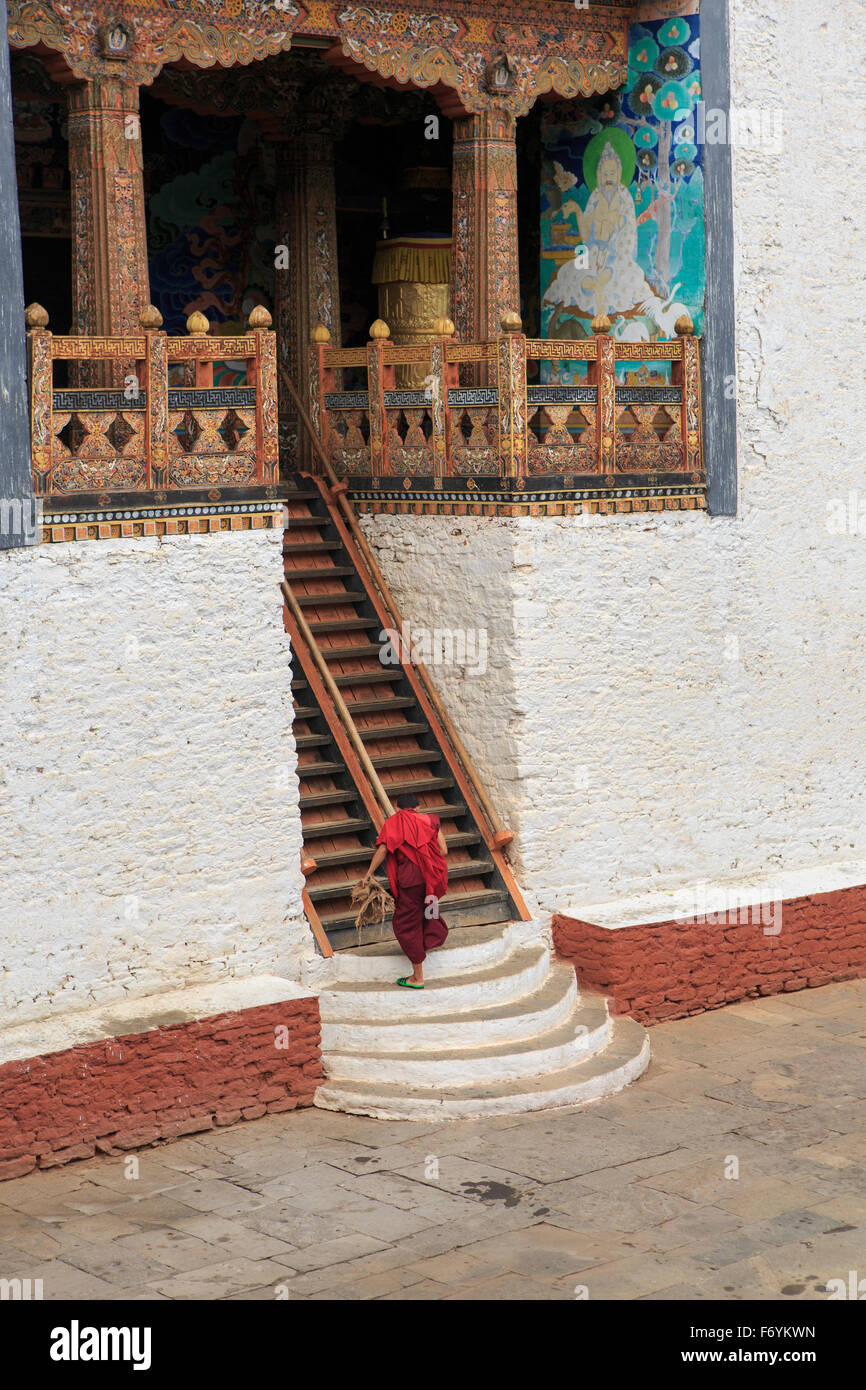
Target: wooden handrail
<point>315,921</point>
<point>501,836</point>
<point>339,703</point>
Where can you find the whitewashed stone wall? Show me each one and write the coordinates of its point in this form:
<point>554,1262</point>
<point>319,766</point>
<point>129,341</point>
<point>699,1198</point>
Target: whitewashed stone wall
<point>149,826</point>
<point>677,698</point>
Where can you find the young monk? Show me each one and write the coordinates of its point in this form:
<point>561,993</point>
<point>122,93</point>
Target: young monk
<point>417,872</point>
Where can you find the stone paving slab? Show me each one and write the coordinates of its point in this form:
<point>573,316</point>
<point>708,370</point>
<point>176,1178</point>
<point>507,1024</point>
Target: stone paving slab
<point>633,1198</point>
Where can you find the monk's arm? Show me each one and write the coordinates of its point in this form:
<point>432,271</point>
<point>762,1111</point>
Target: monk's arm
<point>440,840</point>
<point>381,851</point>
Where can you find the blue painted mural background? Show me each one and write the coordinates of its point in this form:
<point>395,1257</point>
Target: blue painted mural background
<point>622,220</point>
<point>208,246</point>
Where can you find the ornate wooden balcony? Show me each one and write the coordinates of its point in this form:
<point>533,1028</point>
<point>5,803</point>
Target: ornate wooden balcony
<point>151,428</point>
<point>601,444</point>
<point>132,437</point>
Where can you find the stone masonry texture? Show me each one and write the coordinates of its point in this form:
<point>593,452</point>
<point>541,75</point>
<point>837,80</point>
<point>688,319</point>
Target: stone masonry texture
<point>671,969</point>
<point>127,1092</point>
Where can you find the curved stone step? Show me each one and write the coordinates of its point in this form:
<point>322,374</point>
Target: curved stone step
<point>603,1074</point>
<point>585,1032</point>
<point>522,1018</point>
<point>518,974</point>
<point>467,948</point>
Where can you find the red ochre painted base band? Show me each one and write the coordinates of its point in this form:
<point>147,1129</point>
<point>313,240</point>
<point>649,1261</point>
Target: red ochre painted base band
<point>671,969</point>
<point>126,1092</point>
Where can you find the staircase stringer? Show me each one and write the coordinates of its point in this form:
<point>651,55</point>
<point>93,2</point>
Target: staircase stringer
<point>436,727</point>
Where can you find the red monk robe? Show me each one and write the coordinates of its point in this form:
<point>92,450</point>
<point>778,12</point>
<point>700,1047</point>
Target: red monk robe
<point>417,872</point>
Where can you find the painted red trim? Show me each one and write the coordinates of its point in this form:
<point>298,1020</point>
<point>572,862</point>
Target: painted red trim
<point>671,969</point>
<point>127,1092</point>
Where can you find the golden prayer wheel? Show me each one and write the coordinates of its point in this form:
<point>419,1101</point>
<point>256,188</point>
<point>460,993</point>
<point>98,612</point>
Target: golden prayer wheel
<point>414,279</point>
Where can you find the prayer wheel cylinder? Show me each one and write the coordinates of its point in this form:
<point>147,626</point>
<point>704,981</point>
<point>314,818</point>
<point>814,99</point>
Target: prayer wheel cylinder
<point>414,279</point>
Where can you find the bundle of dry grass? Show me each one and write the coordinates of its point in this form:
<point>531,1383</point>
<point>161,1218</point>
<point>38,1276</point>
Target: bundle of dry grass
<point>372,903</point>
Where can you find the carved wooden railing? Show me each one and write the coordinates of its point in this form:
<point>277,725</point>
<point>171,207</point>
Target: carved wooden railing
<point>508,427</point>
<point>137,433</point>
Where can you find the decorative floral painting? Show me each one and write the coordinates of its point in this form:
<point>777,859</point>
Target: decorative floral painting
<point>622,224</point>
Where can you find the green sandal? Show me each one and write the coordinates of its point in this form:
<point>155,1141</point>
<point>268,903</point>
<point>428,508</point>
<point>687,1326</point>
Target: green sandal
<point>408,984</point>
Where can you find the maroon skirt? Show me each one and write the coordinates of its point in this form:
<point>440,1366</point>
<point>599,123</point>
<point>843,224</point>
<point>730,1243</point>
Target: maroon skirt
<point>416,933</point>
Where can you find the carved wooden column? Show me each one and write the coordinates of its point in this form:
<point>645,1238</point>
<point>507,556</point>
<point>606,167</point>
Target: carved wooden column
<point>485,270</point>
<point>308,293</point>
<point>109,236</point>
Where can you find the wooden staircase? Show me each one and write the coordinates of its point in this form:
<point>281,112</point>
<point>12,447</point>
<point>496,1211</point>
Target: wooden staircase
<point>338,603</point>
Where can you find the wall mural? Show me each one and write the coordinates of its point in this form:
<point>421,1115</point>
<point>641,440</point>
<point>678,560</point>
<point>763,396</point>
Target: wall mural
<point>207,245</point>
<point>622,223</point>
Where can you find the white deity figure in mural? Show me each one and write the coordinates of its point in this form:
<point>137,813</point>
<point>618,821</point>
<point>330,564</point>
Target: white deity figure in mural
<point>603,277</point>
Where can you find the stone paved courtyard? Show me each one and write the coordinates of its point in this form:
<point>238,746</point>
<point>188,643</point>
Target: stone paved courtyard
<point>629,1198</point>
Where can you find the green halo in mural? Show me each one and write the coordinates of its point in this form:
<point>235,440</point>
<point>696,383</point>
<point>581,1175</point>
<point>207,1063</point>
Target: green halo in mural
<point>624,147</point>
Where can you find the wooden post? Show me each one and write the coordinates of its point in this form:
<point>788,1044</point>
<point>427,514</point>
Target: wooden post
<point>486,280</point>
<point>265,381</point>
<point>41,398</point>
<point>109,224</point>
<point>308,290</point>
<point>376,384</point>
<point>440,413</point>
<point>155,382</point>
<point>687,372</point>
<point>197,326</point>
<point>511,380</point>
<point>605,381</point>
<point>321,382</point>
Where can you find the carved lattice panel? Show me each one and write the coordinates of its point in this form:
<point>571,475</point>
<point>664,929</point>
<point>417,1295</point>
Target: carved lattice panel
<point>410,449</point>
<point>349,441</point>
<point>648,441</point>
<point>474,440</point>
<point>200,448</point>
<point>92,451</point>
<point>565,439</point>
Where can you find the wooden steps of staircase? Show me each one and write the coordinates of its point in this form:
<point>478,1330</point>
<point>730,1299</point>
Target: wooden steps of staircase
<point>459,910</point>
<point>362,853</point>
<point>325,571</point>
<point>352,653</point>
<point>321,625</point>
<point>307,800</point>
<point>308,547</point>
<point>352,825</point>
<point>417,785</point>
<point>380,677</point>
<point>408,752</point>
<point>347,596</point>
<point>405,730</point>
<point>376,706</point>
<point>468,868</point>
<point>412,757</point>
<point>323,769</point>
